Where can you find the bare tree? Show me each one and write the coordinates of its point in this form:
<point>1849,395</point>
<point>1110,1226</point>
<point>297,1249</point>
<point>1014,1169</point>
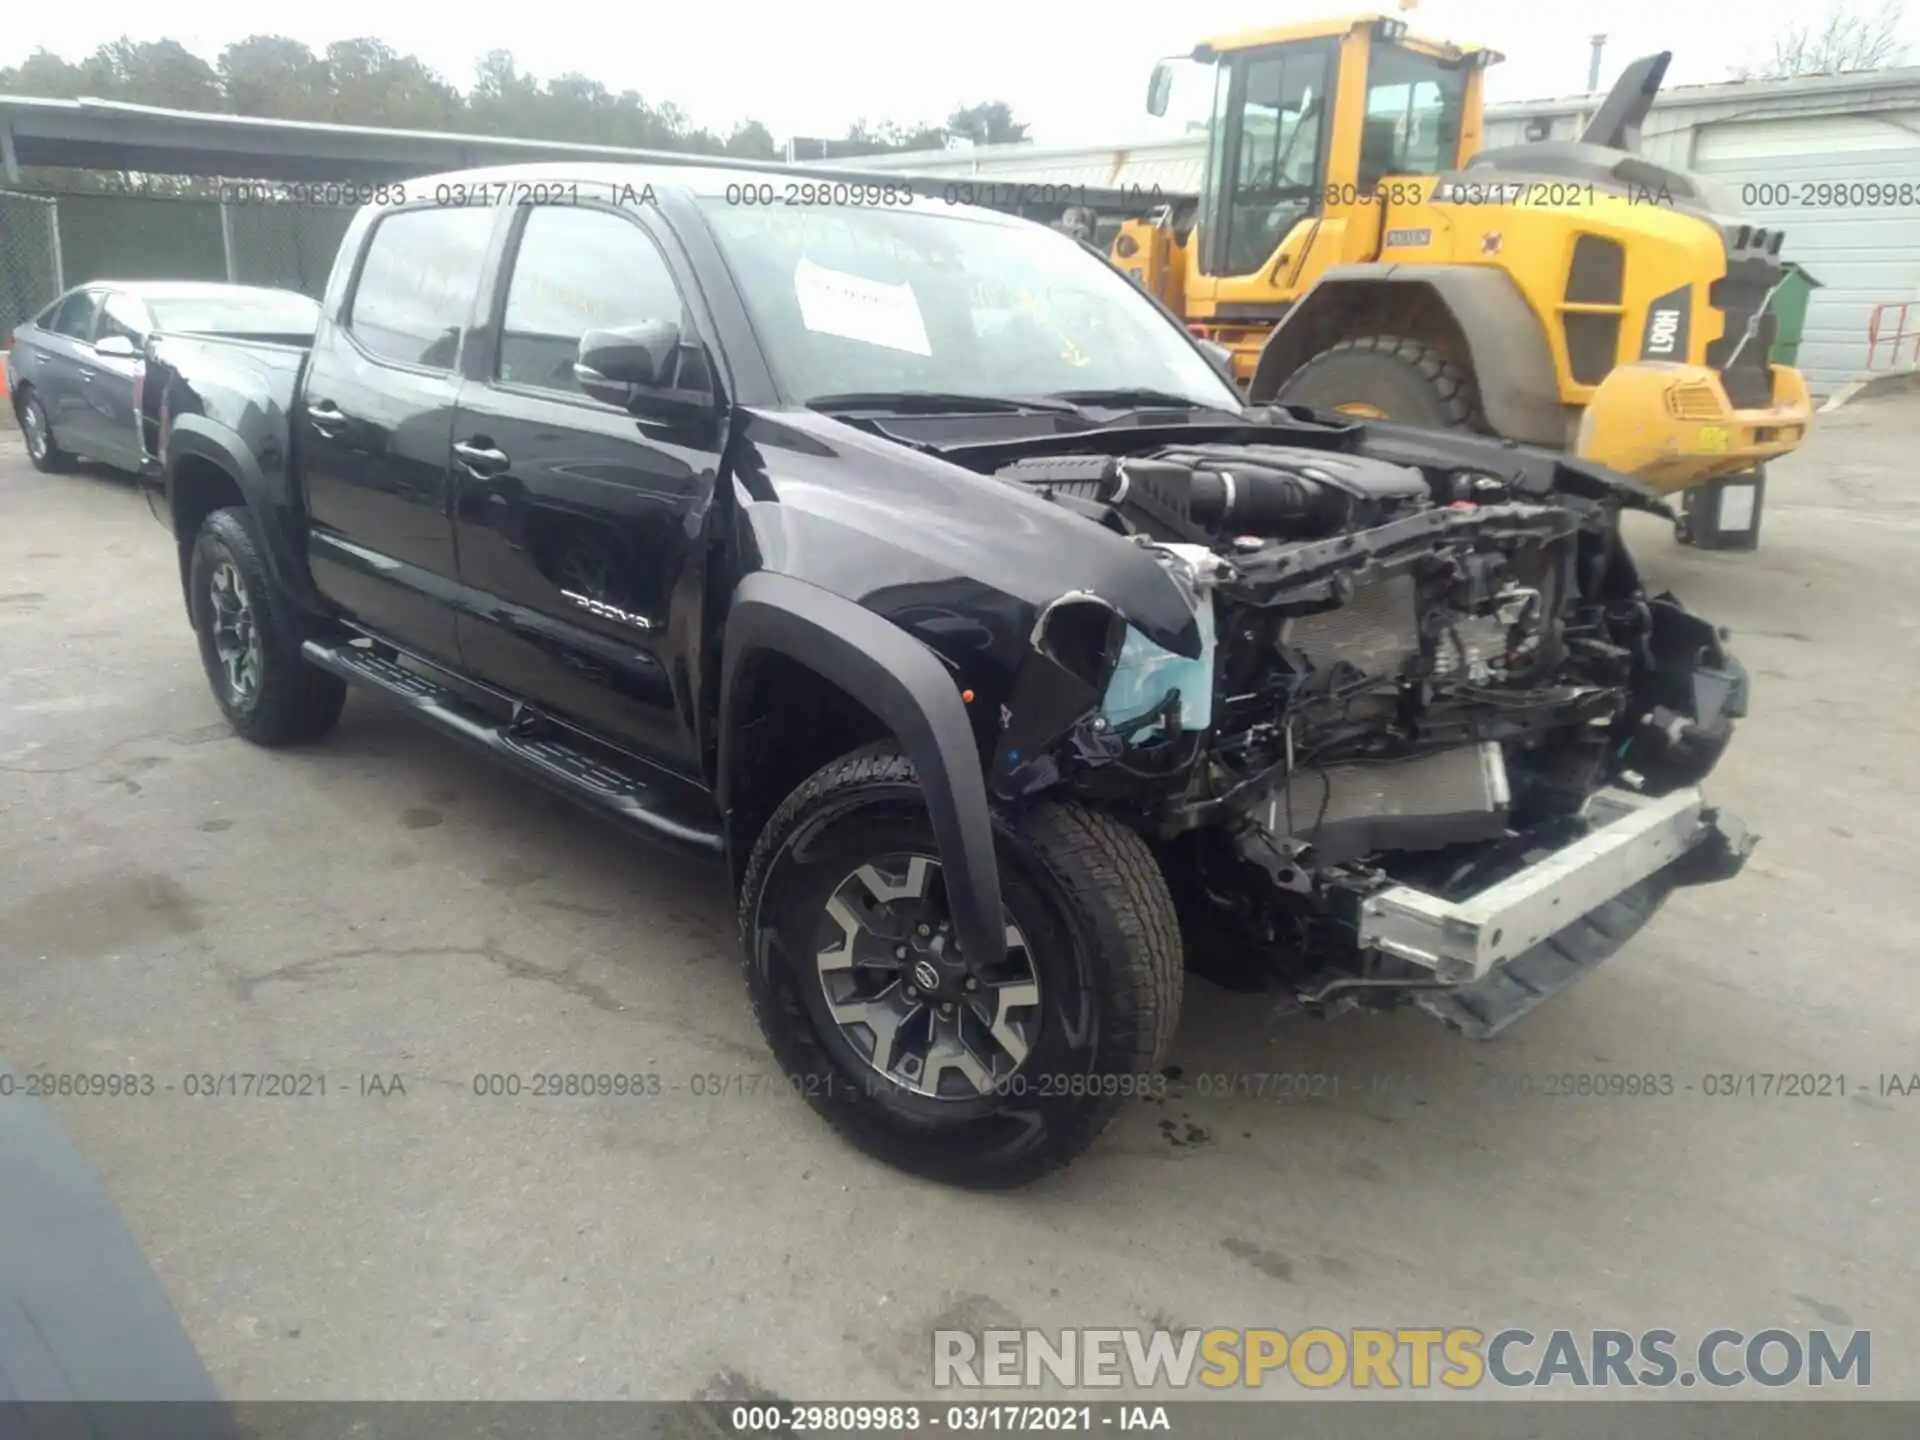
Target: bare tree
<point>1847,39</point>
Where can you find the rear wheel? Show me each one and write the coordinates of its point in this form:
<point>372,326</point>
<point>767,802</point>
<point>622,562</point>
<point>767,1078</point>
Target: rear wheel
<point>984,1071</point>
<point>42,449</point>
<point>1388,377</point>
<point>250,639</point>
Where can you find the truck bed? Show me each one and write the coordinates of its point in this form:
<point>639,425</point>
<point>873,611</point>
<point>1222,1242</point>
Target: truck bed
<point>259,375</point>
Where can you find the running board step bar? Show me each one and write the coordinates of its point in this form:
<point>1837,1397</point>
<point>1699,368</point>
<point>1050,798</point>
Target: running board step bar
<point>651,802</point>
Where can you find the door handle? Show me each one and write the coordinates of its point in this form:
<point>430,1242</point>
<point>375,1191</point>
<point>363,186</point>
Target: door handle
<point>481,461</point>
<point>325,414</point>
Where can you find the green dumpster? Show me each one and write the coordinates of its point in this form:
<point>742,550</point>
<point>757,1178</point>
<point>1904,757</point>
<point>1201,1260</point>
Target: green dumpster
<point>1789,310</point>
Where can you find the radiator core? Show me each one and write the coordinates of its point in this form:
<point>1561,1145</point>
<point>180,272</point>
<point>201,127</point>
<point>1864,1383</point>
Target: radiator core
<point>1377,631</point>
<point>1348,810</point>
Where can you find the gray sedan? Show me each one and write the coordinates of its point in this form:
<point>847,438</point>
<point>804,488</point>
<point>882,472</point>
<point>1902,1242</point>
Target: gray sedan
<point>74,371</point>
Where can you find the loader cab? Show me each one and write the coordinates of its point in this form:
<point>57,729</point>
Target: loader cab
<point>1267,144</point>
<point>1305,123</point>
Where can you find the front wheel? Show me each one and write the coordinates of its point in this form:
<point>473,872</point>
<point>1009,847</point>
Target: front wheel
<point>250,639</point>
<point>986,1071</point>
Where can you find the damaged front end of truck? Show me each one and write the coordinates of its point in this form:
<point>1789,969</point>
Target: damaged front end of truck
<point>1428,739</point>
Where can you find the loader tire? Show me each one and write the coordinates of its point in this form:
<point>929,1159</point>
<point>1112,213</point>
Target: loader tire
<point>1388,377</point>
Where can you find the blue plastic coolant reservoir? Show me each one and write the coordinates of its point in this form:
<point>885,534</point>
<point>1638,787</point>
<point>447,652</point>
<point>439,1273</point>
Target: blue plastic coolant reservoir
<point>1146,672</point>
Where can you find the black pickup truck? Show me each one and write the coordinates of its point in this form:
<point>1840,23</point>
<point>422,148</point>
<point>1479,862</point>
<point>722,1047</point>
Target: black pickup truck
<point>930,576</point>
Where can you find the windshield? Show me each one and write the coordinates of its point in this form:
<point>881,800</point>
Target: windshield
<point>258,312</point>
<point>891,300</point>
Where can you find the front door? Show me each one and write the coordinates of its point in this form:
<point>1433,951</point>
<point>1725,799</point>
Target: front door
<point>1266,164</point>
<point>373,430</point>
<point>579,526</point>
<point>107,381</point>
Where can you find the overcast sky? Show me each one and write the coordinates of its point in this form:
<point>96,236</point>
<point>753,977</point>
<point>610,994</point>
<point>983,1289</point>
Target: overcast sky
<point>812,68</point>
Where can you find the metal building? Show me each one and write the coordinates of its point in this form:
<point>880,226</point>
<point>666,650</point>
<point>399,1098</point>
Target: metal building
<point>282,232</point>
<point>1174,165</point>
<point>1832,159</point>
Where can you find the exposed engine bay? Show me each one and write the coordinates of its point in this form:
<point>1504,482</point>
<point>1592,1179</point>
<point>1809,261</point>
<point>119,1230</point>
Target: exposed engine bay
<point>1410,675</point>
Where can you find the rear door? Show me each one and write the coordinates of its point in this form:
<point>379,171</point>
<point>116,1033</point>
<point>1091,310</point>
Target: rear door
<point>373,426</point>
<point>107,381</point>
<point>30,349</point>
<point>58,374</point>
<point>580,525</point>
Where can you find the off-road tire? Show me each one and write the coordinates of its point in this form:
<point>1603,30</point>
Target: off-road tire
<point>291,702</point>
<point>51,460</point>
<point>1409,381</point>
<point>1103,938</point>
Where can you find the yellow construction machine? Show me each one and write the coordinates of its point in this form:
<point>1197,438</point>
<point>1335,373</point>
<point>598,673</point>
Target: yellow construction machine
<point>1356,249</point>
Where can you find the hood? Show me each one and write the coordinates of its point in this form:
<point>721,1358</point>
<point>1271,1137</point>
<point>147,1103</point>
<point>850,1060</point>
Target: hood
<point>1611,171</point>
<point>921,531</point>
<point>961,559</point>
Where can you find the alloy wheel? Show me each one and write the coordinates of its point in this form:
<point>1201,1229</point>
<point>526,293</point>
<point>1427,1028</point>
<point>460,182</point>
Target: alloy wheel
<point>935,1022</point>
<point>236,636</point>
<point>34,422</point>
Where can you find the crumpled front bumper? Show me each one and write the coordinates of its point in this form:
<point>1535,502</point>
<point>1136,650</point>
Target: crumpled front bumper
<point>1499,953</point>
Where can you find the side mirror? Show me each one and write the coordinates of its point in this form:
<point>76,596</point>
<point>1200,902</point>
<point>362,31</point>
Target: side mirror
<point>648,370</point>
<point>1159,88</point>
<point>638,356</point>
<point>119,347</point>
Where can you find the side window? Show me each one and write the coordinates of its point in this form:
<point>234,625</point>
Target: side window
<point>417,284</point>
<point>578,270</point>
<point>122,315</point>
<point>76,314</point>
<point>1412,125</point>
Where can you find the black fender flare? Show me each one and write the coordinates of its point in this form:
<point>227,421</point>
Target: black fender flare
<point>280,522</point>
<point>903,683</point>
<point>1506,343</point>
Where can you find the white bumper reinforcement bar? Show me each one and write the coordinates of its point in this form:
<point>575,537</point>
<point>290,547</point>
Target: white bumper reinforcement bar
<point>1461,940</point>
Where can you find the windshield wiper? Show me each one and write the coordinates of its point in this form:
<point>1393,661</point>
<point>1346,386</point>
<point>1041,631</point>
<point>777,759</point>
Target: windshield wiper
<point>937,402</point>
<point>1133,397</point>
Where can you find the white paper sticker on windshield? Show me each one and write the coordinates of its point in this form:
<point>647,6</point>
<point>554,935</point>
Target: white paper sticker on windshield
<point>853,307</point>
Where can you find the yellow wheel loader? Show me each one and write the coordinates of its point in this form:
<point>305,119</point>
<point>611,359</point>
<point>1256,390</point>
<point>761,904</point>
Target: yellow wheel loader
<point>1356,249</point>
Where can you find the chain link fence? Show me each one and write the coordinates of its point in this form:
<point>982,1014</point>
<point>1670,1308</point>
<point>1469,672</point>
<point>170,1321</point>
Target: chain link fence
<point>51,242</point>
<point>290,246</point>
<point>29,256</point>
<point>138,237</point>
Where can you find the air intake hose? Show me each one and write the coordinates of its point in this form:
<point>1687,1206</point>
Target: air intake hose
<point>1206,492</point>
<point>1253,501</point>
